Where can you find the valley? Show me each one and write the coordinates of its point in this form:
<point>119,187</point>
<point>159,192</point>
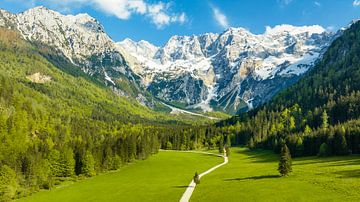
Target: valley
<point>249,176</point>
<point>234,114</point>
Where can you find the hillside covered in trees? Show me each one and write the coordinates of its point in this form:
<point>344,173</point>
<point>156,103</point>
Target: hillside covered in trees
<point>56,125</point>
<point>318,115</point>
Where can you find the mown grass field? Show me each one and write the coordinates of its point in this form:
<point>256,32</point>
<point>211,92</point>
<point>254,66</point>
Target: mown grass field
<point>253,176</point>
<point>162,177</point>
<point>249,176</point>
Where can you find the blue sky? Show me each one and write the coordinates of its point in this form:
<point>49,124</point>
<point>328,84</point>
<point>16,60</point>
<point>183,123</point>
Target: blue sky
<point>156,21</point>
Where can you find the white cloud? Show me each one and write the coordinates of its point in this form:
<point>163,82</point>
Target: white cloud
<point>160,17</point>
<point>356,3</point>
<point>158,13</point>
<point>220,18</point>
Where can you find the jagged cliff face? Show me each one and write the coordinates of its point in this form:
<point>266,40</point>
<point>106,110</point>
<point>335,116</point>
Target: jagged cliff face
<point>232,71</point>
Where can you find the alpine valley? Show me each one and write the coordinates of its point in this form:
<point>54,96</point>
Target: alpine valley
<point>230,116</point>
<point>229,72</point>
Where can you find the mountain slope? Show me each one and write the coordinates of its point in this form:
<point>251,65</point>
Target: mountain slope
<point>232,71</point>
<point>322,110</point>
<point>79,41</point>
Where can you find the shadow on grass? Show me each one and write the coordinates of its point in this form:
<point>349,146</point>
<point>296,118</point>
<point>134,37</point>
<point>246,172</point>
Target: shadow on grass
<point>261,156</point>
<point>180,186</point>
<point>348,173</point>
<point>254,178</point>
<point>332,161</point>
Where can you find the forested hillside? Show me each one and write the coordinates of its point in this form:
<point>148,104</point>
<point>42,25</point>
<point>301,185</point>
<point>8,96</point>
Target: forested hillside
<point>55,125</point>
<point>318,115</point>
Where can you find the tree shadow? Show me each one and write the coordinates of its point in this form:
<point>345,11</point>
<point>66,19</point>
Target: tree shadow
<point>335,161</point>
<point>254,178</point>
<point>260,155</point>
<point>180,186</point>
<point>348,173</point>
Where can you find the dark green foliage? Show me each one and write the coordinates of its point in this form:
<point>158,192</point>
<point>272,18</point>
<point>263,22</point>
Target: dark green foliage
<point>196,178</point>
<point>324,150</point>
<point>340,145</point>
<point>228,151</point>
<point>285,166</point>
<point>221,145</point>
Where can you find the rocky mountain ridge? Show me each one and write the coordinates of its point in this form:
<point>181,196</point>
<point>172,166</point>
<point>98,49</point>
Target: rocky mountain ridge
<point>232,71</point>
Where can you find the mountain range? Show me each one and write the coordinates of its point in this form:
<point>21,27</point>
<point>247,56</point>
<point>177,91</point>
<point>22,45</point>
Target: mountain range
<point>230,72</point>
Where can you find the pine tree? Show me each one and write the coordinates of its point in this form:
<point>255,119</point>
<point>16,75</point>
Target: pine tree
<point>196,178</point>
<point>324,150</point>
<point>340,145</point>
<point>325,119</point>
<point>285,161</point>
<point>88,165</point>
<point>67,162</point>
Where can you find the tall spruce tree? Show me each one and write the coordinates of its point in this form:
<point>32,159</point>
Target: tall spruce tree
<point>325,120</point>
<point>285,161</point>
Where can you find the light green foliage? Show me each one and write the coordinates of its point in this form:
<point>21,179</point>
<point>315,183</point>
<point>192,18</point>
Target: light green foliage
<point>67,162</point>
<point>325,120</point>
<point>88,165</point>
<point>8,183</point>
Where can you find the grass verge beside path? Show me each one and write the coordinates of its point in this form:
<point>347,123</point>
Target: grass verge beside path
<point>253,176</point>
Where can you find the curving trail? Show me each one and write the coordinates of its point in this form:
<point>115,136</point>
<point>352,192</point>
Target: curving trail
<point>189,190</point>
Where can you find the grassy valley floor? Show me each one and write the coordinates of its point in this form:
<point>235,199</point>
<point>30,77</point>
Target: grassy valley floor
<point>162,177</point>
<point>253,176</point>
<point>249,176</point>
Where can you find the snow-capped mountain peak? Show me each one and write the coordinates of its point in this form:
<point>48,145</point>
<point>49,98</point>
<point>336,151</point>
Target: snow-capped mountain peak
<point>230,70</point>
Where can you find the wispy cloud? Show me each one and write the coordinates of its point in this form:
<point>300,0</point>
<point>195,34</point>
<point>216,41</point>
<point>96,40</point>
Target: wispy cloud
<point>284,2</point>
<point>318,4</point>
<point>220,18</point>
<point>356,3</point>
<point>158,13</point>
<point>331,28</point>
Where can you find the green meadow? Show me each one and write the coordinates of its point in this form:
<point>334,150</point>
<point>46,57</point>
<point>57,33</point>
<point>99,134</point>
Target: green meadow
<point>253,176</point>
<point>162,177</point>
<point>249,176</point>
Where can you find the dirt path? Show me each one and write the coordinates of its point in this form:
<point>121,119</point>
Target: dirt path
<point>187,194</point>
